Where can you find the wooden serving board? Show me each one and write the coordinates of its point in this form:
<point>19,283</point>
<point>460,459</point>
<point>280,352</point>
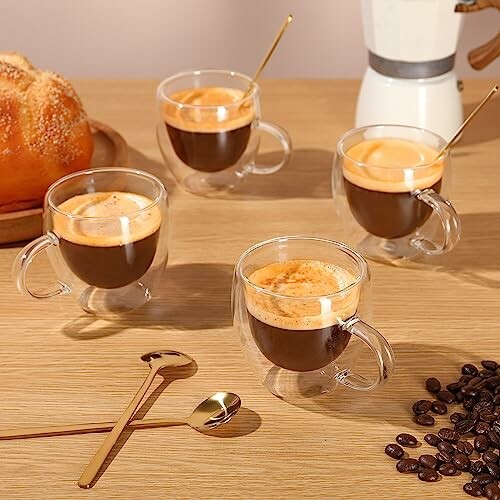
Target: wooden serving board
<point>110,150</point>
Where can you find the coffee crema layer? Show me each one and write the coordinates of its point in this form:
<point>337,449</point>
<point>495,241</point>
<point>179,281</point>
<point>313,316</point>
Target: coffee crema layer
<point>392,165</point>
<point>299,282</point>
<point>106,219</point>
<point>208,109</point>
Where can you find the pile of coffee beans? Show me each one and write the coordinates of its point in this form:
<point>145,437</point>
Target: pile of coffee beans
<point>471,443</point>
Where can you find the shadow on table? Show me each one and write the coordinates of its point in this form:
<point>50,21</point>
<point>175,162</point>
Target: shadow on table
<point>483,128</point>
<point>190,297</point>
<point>308,175</point>
<point>392,403</point>
<point>243,423</point>
<point>478,252</point>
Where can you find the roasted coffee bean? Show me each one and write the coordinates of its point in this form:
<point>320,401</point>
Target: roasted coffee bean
<point>459,397</point>
<point>489,365</point>
<point>449,435</point>
<point>483,405</point>
<point>486,373</point>
<point>432,439</point>
<point>447,469</point>
<point>465,447</point>
<point>485,395</point>
<point>466,378</point>
<point>469,404</point>
<point>446,447</point>
<point>406,439</point>
<point>469,391</point>
<point>475,381</point>
<point>477,467</point>
<point>439,407</point>
<point>421,406</point>
<point>444,457</point>
<point>425,419</point>
<point>490,457</point>
<point>429,475</point>
<point>487,416</point>
<point>433,385</point>
<point>457,417</point>
<point>496,400</point>
<point>494,439</point>
<point>495,426</point>
<point>483,479</point>
<point>492,491</point>
<point>428,461</point>
<point>481,443</point>
<point>474,416</point>
<point>493,470</point>
<point>445,396</point>
<point>394,451</point>
<point>455,386</point>
<point>461,461</point>
<point>407,465</point>
<point>472,489</point>
<point>464,426</point>
<point>469,369</point>
<point>482,428</point>
<point>497,389</point>
<point>493,382</point>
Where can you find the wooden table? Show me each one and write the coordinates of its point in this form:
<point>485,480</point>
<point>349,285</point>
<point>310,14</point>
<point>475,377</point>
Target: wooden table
<point>59,366</point>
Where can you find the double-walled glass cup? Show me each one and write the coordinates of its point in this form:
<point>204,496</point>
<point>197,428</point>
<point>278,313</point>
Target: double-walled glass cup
<point>390,190</point>
<point>105,232</point>
<point>303,345</point>
<point>209,130</point>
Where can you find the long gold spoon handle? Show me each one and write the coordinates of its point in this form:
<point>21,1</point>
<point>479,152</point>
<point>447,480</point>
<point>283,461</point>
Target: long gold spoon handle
<point>92,469</point>
<point>66,430</point>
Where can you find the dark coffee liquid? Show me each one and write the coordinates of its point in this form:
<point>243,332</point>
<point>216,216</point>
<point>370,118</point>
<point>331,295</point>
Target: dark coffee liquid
<point>110,266</point>
<point>388,215</point>
<point>209,151</point>
<point>299,350</point>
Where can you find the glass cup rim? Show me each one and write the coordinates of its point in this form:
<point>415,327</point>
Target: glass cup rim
<point>353,131</point>
<point>357,257</point>
<point>90,171</point>
<point>162,96</point>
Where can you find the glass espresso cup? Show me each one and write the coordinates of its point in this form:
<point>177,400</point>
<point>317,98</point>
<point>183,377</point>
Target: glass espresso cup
<point>105,232</point>
<point>298,304</point>
<point>209,130</point>
<point>390,190</point>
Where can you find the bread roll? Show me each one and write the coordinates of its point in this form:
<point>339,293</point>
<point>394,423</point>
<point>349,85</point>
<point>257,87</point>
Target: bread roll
<point>44,132</point>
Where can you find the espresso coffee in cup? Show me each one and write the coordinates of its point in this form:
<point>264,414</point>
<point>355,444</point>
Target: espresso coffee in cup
<point>301,331</point>
<point>208,129</point>
<point>381,177</point>
<point>110,238</point>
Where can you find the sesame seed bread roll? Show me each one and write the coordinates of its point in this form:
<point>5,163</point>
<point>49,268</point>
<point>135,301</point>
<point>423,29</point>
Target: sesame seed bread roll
<point>44,132</point>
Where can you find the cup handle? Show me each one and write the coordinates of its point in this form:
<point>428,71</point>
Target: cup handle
<point>381,349</point>
<point>286,144</point>
<point>25,258</point>
<point>450,221</point>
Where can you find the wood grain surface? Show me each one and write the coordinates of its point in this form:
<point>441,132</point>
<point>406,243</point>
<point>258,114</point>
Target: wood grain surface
<point>58,365</point>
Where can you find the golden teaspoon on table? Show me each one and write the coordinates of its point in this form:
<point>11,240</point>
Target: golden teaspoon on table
<point>209,414</point>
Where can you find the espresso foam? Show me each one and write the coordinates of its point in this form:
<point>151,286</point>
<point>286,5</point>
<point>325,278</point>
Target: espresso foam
<point>299,279</point>
<point>388,165</point>
<point>215,119</point>
<point>106,232</point>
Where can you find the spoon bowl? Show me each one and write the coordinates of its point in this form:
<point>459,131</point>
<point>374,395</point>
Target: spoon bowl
<point>214,411</point>
<point>165,359</point>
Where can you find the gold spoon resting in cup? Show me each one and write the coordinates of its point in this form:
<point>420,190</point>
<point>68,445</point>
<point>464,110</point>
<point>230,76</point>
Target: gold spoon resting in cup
<point>473,113</point>
<point>281,32</point>
<point>209,414</point>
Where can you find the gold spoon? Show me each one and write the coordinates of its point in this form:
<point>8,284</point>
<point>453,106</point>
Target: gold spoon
<point>157,361</point>
<point>281,32</point>
<point>466,122</point>
<point>209,414</point>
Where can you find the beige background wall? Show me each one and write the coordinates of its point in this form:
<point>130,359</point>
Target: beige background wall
<point>155,38</point>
